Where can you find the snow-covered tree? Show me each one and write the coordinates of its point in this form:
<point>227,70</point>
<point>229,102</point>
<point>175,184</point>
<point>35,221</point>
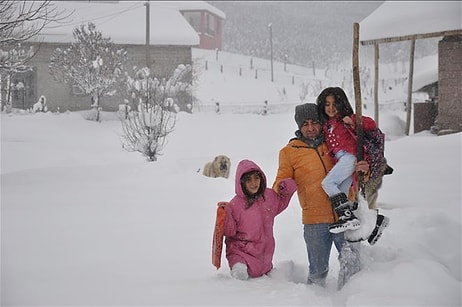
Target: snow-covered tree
<point>151,121</point>
<point>13,59</point>
<point>92,63</point>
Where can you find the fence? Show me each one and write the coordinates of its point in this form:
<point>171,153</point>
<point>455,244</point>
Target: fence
<point>262,108</point>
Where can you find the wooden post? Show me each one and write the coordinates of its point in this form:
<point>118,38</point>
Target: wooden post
<point>357,89</point>
<point>349,256</point>
<point>409,87</point>
<point>358,105</point>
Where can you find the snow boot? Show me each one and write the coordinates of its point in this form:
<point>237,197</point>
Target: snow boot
<point>347,220</point>
<point>239,271</point>
<point>382,222</point>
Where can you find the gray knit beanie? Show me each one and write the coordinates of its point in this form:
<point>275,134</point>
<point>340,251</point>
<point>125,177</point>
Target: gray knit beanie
<point>305,112</point>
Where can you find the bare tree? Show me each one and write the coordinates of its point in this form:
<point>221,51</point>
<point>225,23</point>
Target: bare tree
<point>146,128</point>
<point>22,20</point>
<point>19,22</point>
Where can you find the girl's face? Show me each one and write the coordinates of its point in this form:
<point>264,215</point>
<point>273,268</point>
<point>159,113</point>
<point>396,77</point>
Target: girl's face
<point>252,184</point>
<point>329,107</point>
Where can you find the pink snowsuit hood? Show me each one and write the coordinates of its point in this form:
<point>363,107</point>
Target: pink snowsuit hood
<point>243,167</point>
<point>249,230</point>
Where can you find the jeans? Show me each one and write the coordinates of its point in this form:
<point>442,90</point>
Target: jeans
<point>319,241</point>
<point>340,177</point>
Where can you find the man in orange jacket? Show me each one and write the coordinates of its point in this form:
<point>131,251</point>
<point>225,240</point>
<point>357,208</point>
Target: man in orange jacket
<point>305,158</point>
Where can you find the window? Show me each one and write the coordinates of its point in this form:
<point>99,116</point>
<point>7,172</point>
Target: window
<point>77,90</point>
<point>210,25</point>
<point>194,19</point>
<point>23,89</point>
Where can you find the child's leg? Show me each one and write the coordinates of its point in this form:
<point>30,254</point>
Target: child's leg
<point>336,185</point>
<point>339,178</point>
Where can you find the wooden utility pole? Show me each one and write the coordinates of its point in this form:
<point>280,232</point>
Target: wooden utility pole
<point>148,35</point>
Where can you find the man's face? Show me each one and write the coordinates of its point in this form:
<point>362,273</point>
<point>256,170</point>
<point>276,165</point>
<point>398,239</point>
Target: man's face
<point>311,129</point>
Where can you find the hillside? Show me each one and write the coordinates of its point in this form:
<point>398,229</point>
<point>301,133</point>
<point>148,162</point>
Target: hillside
<point>310,33</point>
<point>237,81</point>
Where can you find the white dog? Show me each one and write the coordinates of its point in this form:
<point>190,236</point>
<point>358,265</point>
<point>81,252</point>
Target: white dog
<point>219,167</point>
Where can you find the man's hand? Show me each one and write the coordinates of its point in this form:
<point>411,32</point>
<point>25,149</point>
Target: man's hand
<point>347,120</point>
<point>362,166</point>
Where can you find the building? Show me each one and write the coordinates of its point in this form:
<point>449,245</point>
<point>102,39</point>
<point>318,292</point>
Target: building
<point>169,38</point>
<point>206,19</point>
<point>396,21</point>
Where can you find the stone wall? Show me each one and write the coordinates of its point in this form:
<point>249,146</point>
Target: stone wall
<point>450,84</point>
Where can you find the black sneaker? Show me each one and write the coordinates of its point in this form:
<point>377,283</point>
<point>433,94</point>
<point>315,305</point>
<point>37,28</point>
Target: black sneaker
<point>382,223</point>
<point>347,221</point>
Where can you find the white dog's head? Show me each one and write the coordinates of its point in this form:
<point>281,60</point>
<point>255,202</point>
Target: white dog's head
<point>223,163</point>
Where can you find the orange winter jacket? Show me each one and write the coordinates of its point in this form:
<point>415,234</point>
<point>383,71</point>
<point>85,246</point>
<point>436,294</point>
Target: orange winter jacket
<point>308,167</point>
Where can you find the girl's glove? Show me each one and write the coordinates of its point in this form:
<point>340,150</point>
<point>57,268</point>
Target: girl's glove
<point>222,204</point>
<point>287,187</point>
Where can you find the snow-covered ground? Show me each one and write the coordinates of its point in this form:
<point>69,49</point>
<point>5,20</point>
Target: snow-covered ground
<point>84,222</point>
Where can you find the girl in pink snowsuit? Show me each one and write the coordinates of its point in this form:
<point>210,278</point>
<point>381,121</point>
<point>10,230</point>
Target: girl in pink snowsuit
<point>250,218</point>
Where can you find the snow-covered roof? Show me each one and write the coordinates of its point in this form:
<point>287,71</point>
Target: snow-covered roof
<point>124,22</point>
<point>399,19</point>
<point>194,6</point>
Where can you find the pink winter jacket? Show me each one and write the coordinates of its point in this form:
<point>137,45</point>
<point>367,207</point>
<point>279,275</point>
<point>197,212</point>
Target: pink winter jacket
<point>249,231</point>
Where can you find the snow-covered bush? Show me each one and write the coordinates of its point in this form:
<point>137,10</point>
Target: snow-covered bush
<point>153,115</point>
<point>40,105</point>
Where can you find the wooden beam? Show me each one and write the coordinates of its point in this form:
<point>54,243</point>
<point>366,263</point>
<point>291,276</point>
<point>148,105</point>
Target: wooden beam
<point>410,37</point>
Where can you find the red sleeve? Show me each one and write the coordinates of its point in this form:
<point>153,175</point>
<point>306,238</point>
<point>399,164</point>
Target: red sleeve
<point>369,123</point>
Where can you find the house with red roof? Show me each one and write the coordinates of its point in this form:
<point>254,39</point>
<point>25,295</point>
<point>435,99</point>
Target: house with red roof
<point>157,34</point>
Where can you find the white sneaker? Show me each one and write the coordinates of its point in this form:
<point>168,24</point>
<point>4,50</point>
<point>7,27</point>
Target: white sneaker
<point>239,271</point>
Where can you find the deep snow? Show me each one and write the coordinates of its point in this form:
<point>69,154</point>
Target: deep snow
<point>86,223</point>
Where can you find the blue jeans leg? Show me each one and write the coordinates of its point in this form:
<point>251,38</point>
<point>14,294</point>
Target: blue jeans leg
<point>318,240</point>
